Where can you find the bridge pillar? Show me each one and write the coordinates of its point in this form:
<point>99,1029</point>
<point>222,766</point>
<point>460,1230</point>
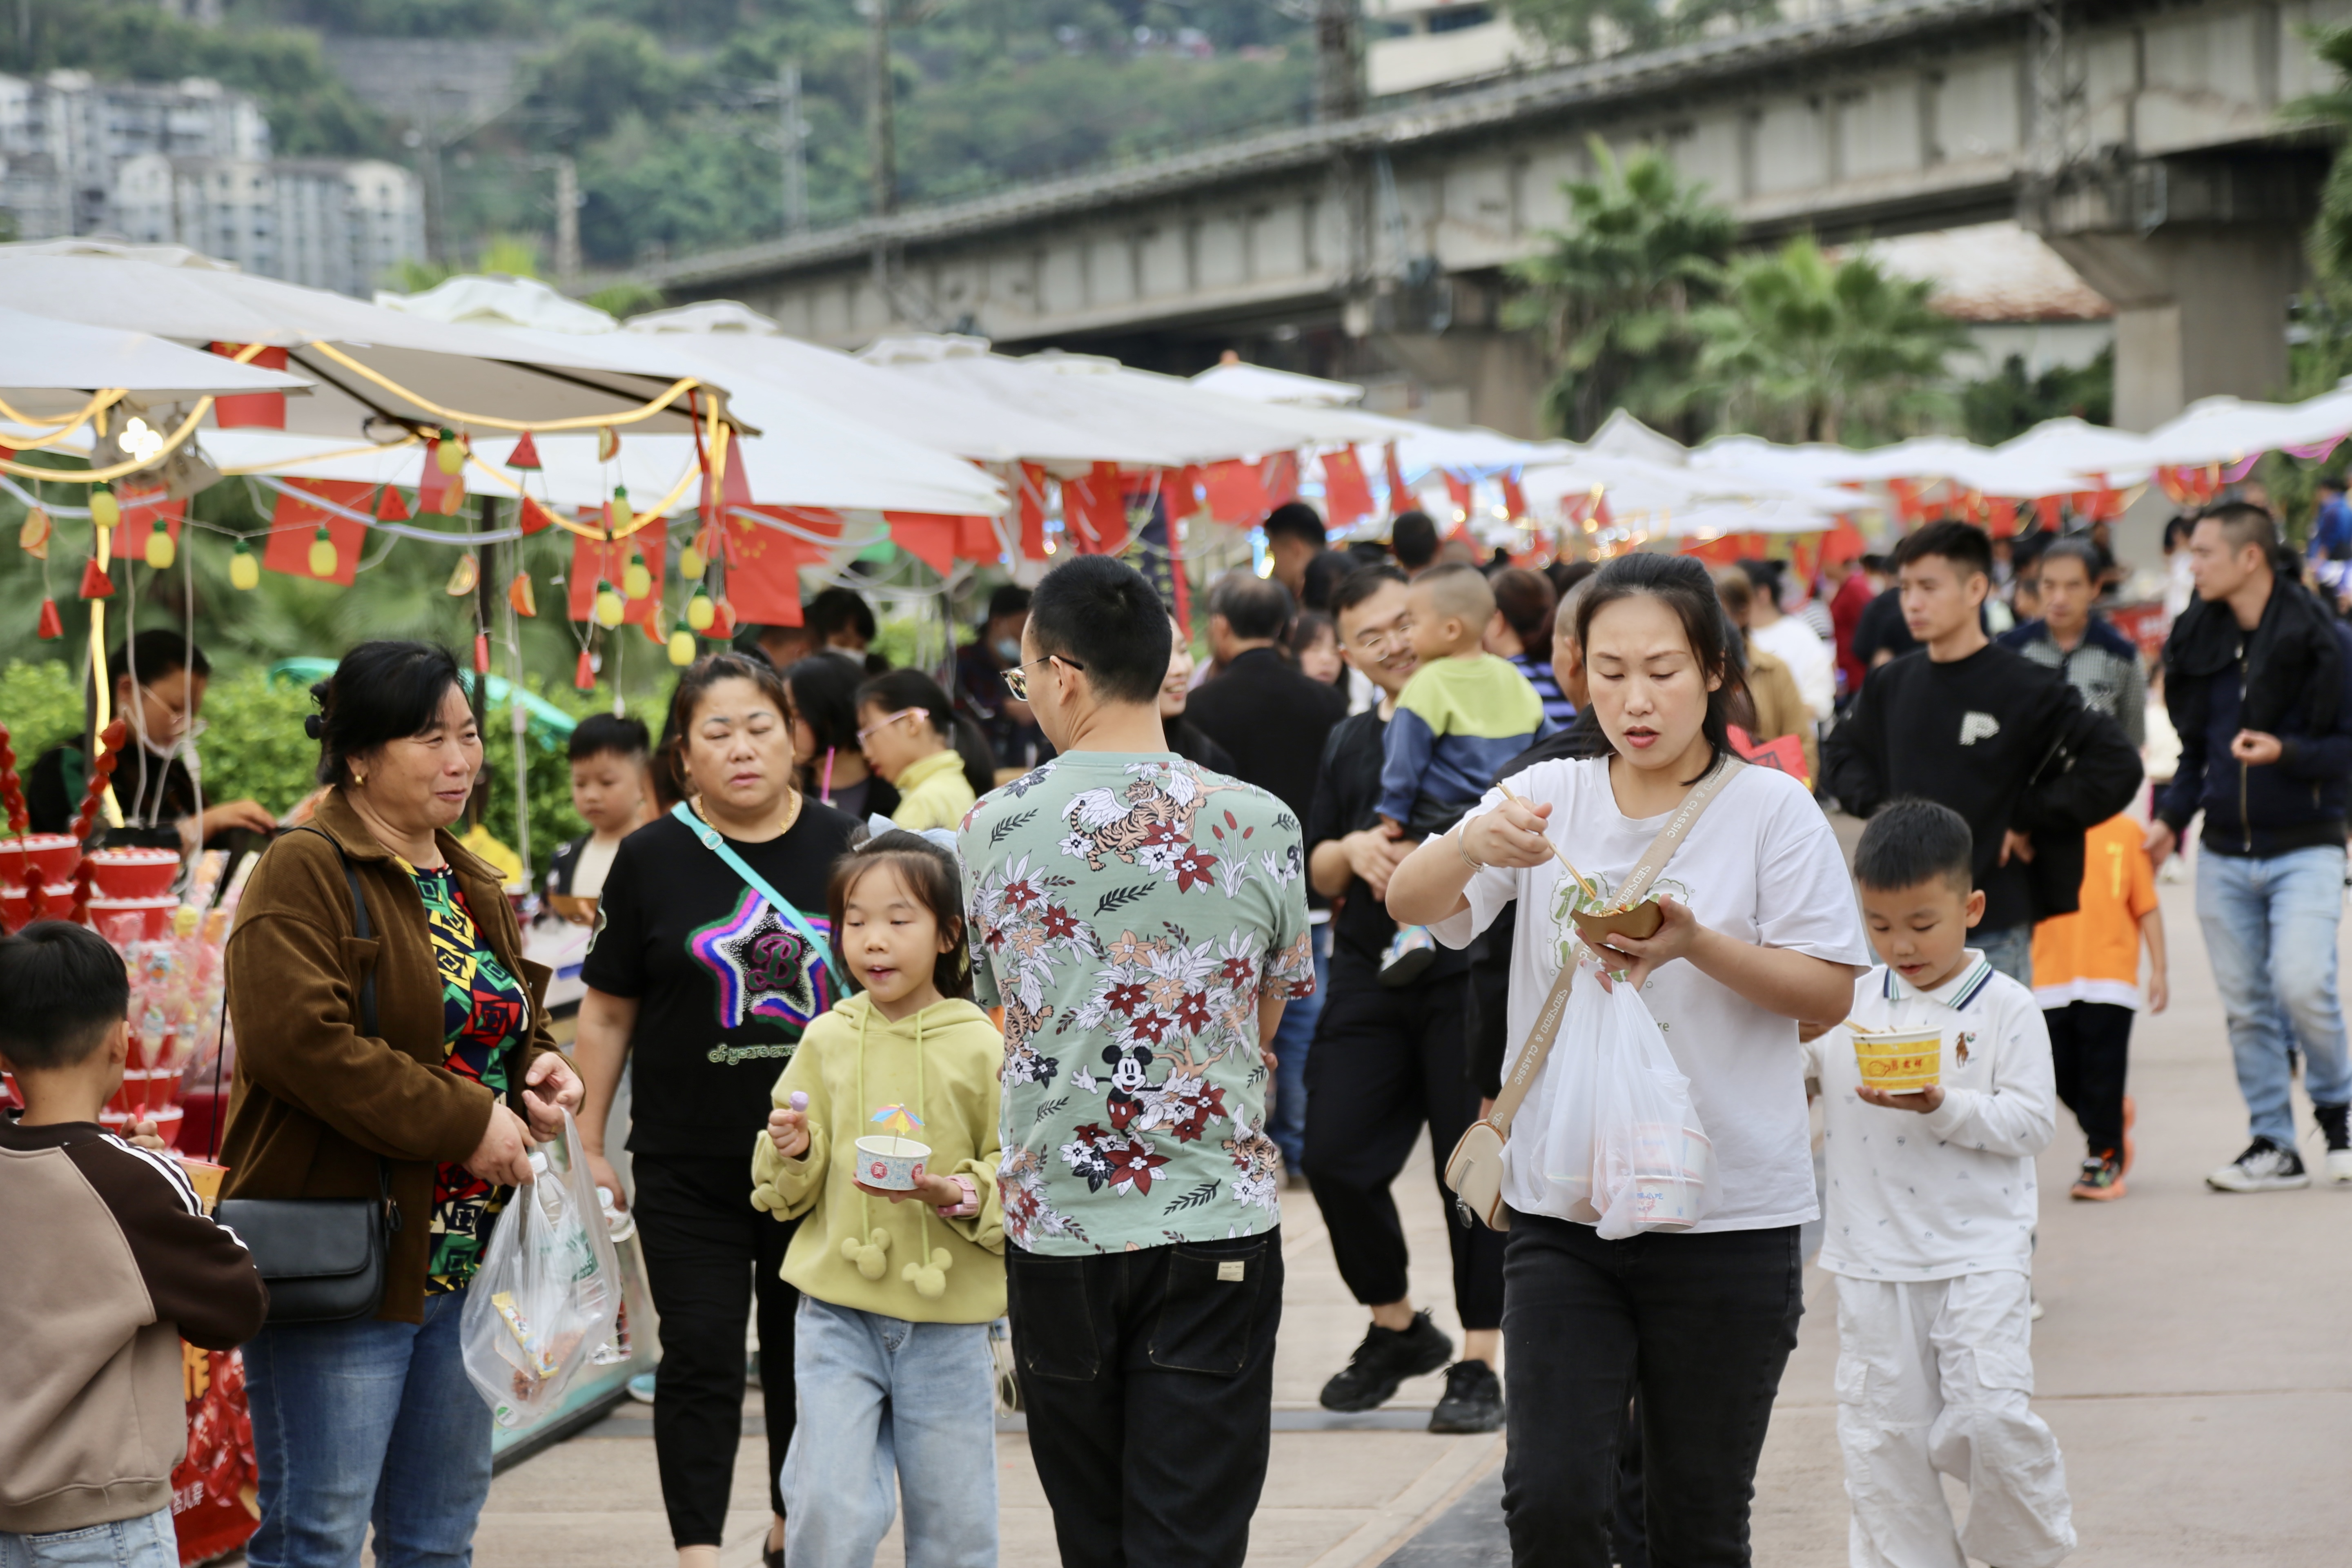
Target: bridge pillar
<point>2201,257</point>
<point>1462,358</point>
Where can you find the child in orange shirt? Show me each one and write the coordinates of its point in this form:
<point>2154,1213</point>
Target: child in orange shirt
<point>2086,978</point>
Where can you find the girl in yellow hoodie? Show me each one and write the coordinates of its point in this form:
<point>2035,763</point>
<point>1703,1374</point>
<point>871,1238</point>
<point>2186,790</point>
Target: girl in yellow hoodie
<point>898,1288</point>
<point>907,728</point>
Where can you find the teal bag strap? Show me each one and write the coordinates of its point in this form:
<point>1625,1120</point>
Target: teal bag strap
<point>716,844</point>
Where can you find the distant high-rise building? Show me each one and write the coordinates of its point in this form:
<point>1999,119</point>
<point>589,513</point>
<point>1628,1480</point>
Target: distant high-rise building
<point>189,164</point>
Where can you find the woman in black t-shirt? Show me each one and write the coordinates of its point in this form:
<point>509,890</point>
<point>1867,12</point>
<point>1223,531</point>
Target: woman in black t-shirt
<point>697,978</point>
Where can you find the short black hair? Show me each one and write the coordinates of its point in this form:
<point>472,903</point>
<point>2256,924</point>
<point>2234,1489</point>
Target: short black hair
<point>601,732</point>
<point>152,655</point>
<point>2243,522</point>
<point>1012,599</point>
<point>1099,613</point>
<point>2079,550</point>
<point>838,609</point>
<point>1323,574</point>
<point>1295,519</point>
<point>1362,585</point>
<point>1414,539</point>
<point>381,691</point>
<point>1254,606</point>
<point>1909,841</point>
<point>1964,544</point>
<point>1527,600</point>
<point>62,988</point>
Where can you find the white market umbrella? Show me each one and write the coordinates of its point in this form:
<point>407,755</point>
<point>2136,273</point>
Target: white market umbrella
<point>1260,383</point>
<point>2229,430</point>
<point>2077,447</point>
<point>52,367</point>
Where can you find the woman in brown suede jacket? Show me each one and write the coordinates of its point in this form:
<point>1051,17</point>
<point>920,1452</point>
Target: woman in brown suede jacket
<point>373,1420</point>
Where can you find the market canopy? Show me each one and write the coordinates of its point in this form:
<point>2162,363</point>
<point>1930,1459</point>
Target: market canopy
<point>51,367</point>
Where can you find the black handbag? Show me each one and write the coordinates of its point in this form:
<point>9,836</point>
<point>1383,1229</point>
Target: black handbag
<point>324,1260</point>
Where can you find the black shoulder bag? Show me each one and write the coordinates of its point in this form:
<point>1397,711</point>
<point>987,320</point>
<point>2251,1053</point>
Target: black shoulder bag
<point>322,1258</point>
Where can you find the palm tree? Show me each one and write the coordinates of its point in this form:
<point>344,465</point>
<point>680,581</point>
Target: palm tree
<point>1612,293</point>
<point>1807,349</point>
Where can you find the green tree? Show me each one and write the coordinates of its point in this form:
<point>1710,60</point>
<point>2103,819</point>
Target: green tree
<point>2008,401</point>
<point>2331,232</point>
<point>1803,348</point>
<point>1611,295</point>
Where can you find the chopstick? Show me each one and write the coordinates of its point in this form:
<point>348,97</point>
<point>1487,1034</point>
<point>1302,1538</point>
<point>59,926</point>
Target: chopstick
<point>1590,892</point>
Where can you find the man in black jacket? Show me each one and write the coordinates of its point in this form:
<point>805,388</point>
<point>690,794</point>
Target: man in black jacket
<point>2258,680</point>
<point>2004,741</point>
<point>1386,1061</point>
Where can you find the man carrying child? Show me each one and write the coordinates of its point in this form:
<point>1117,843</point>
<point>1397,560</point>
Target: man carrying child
<point>1929,1228</point>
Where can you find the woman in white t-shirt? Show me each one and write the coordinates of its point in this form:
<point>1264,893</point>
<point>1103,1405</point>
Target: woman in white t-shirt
<point>1760,931</point>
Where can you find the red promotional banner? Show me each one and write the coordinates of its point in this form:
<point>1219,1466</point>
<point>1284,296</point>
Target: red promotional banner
<point>141,514</point>
<point>594,561</point>
<point>252,410</point>
<point>216,1490</point>
<point>294,526</point>
<point>1346,498</point>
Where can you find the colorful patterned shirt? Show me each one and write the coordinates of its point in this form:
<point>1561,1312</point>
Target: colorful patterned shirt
<point>1129,911</point>
<point>487,1016</point>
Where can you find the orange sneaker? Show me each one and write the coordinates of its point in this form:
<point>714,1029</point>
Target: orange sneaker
<point>2102,1179</point>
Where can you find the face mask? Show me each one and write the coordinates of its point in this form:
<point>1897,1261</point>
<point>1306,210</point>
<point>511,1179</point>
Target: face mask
<point>1007,650</point>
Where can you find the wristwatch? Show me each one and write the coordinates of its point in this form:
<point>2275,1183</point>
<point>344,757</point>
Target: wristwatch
<point>970,1203</point>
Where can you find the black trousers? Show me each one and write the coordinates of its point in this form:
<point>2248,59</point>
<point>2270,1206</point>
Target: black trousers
<point>1147,1377</point>
<point>1699,1326</point>
<point>701,1237</point>
<point>1384,1063</point>
<point>2090,1046</point>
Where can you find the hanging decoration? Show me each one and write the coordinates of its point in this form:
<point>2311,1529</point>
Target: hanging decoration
<point>105,511</point>
<point>481,653</point>
<point>1033,512</point>
<point>391,505</point>
<point>520,596</point>
<point>449,453</point>
<point>244,570</point>
<point>583,673</point>
<point>32,537</point>
<point>690,563</point>
<point>463,576</point>
<point>610,608</point>
<point>598,564</point>
<point>1346,498</point>
<point>525,455</point>
<point>296,524</point>
<point>700,612</point>
<point>322,558</point>
<point>1236,493</point>
<point>144,518</point>
<point>681,647</point>
<point>636,580</point>
<point>535,518</point>
<point>252,410</point>
<point>1401,497</point>
<point>95,583</point>
<point>50,627</point>
<point>608,443</point>
<point>160,551</point>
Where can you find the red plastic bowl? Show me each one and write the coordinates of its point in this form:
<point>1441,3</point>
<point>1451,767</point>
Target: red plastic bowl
<point>133,873</point>
<point>54,853</point>
<point>14,908</point>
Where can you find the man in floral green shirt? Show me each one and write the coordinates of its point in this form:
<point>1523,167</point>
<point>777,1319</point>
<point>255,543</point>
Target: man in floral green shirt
<point>1142,922</point>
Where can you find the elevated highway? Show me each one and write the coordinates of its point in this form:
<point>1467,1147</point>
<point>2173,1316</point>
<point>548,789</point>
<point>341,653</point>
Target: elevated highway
<point>2141,137</point>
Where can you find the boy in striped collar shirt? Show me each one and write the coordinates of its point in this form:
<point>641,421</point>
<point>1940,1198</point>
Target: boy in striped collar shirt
<point>1931,1206</point>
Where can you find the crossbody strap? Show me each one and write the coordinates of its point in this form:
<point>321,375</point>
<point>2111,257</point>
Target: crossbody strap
<point>714,841</point>
<point>1636,888</point>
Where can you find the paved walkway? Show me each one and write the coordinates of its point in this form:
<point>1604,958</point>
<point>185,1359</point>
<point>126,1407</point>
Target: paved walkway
<point>2193,1362</point>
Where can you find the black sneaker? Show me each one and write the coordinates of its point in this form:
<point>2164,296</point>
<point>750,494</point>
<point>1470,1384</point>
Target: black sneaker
<point>1473,1401</point>
<point>2265,1167</point>
<point>1385,1359</point>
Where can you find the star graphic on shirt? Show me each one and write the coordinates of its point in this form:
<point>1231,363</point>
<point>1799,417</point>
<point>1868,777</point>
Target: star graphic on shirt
<point>764,967</point>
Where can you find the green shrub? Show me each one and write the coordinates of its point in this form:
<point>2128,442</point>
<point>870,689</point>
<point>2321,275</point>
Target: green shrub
<point>41,705</point>
<point>253,745</point>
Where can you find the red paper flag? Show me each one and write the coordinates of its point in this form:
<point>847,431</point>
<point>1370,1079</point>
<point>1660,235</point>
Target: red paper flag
<point>1033,512</point>
<point>1093,512</point>
<point>252,410</point>
<point>1281,469</point>
<point>763,580</point>
<point>438,493</point>
<point>594,561</point>
<point>295,523</point>
<point>734,491</point>
<point>141,514</point>
<point>976,540</point>
<point>1515,499</point>
<point>1786,755</point>
<point>1236,493</point>
<point>1458,490</point>
<point>928,537</point>
<point>1401,497</point>
<point>1346,498</point>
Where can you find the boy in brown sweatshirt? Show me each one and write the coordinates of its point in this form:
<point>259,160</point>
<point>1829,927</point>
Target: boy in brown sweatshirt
<point>111,1262</point>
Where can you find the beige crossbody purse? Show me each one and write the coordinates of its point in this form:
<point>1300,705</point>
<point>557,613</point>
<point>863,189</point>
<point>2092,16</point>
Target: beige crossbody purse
<point>1475,1170</point>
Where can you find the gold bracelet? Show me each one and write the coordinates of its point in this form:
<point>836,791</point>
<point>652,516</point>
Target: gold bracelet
<point>1464,850</point>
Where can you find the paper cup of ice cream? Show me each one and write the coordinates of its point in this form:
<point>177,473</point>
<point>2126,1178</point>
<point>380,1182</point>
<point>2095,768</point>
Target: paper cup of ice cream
<point>1900,1061</point>
<point>893,1164</point>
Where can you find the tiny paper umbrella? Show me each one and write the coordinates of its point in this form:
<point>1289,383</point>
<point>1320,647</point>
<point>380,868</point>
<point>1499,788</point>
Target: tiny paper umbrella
<point>896,1118</point>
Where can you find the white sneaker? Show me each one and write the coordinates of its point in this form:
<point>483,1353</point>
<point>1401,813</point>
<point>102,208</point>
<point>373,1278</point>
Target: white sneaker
<point>2265,1167</point>
<point>2337,1172</point>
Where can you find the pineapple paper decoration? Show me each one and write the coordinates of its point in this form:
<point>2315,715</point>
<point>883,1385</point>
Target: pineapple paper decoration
<point>244,570</point>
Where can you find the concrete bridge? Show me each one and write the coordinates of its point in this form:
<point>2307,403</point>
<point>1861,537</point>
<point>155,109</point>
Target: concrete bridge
<point>2141,138</point>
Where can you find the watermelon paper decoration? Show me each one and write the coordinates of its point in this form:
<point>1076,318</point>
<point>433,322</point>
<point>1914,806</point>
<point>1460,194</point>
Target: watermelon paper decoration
<point>525,455</point>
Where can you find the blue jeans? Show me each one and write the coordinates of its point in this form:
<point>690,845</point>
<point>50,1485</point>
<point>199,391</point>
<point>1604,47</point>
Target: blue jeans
<point>2270,930</point>
<point>1287,1123</point>
<point>367,1422</point>
<point>146,1542</point>
<point>881,1402</point>
<point>2009,950</point>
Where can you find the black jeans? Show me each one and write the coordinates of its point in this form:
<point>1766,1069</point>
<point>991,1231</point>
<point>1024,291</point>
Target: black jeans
<point>1147,1377</point>
<point>701,1235</point>
<point>1385,1062</point>
<point>2090,1047</point>
<point>1699,1326</point>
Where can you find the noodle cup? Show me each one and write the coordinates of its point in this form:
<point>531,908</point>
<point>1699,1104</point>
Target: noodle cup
<point>893,1164</point>
<point>1900,1061</point>
<point>1596,927</point>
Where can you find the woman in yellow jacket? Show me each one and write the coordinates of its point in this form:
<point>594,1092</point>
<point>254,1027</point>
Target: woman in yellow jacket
<point>907,728</point>
<point>900,1262</point>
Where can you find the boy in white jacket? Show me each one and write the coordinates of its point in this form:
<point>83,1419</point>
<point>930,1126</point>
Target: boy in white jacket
<point>1931,1210</point>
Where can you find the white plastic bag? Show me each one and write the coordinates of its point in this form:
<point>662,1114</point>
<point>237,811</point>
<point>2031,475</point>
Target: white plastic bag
<point>548,1293</point>
<point>1563,1153</point>
<point>1652,1166</point>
